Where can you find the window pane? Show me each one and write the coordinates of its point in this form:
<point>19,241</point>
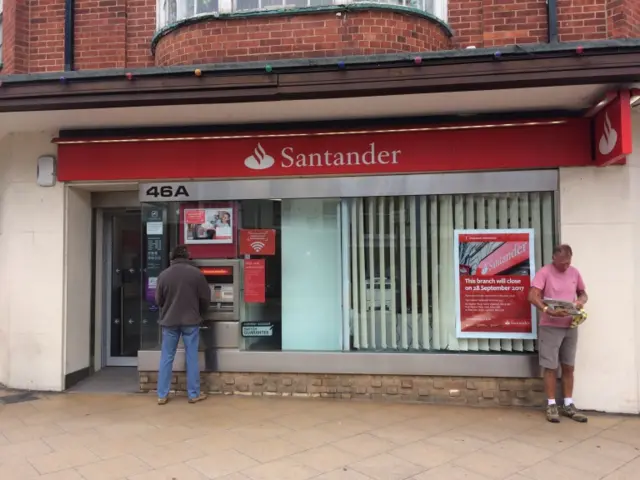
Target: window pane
<point>311,275</point>
<point>207,6</point>
<point>265,214</point>
<point>247,4</point>
<point>402,277</point>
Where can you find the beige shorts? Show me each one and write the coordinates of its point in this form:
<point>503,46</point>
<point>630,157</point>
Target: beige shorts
<point>557,346</point>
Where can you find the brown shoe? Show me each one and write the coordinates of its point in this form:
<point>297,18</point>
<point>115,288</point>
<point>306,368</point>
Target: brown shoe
<point>572,412</point>
<point>163,401</point>
<point>552,414</point>
<point>197,399</point>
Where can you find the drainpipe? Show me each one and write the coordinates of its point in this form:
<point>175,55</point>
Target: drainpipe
<point>552,20</point>
<point>69,15</point>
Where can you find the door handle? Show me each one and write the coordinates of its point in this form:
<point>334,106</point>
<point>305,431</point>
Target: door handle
<point>121,313</point>
<point>131,321</point>
<point>116,321</point>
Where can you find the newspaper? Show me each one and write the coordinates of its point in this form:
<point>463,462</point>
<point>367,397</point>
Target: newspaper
<point>569,307</point>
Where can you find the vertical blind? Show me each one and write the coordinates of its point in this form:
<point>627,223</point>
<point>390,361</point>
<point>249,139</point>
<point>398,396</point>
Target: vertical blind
<point>402,271</point>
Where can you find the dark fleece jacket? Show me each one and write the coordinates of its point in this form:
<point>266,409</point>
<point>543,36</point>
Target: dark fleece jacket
<point>182,294</point>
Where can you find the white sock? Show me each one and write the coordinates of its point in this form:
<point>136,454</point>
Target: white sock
<point>552,401</point>
<point>568,401</point>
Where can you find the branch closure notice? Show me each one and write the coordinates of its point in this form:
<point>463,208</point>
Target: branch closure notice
<point>494,270</point>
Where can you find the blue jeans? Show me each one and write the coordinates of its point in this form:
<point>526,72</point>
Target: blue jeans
<point>170,339</point>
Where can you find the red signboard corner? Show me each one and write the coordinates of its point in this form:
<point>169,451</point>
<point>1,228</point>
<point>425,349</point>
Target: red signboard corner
<point>612,131</point>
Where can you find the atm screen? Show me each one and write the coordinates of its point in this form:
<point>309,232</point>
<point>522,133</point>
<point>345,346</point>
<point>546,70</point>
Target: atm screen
<point>217,271</point>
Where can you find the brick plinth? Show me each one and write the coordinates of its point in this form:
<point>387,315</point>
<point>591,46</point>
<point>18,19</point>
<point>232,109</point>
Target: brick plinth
<point>427,389</point>
<point>317,34</point>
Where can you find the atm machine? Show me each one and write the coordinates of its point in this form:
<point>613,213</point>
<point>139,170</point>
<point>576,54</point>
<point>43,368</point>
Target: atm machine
<point>222,321</point>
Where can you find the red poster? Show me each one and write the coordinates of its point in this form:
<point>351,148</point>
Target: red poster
<point>195,216</point>
<point>258,242</point>
<point>209,229</point>
<point>254,281</point>
<point>494,271</point>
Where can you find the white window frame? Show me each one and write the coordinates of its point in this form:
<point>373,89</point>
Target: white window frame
<point>440,8</point>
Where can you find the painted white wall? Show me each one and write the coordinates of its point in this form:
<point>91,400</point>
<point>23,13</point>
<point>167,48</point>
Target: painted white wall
<point>599,214</point>
<point>31,267</point>
<point>78,280</point>
<point>98,292</point>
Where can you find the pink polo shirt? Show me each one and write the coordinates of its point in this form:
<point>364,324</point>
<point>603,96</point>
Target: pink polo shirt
<point>559,286</point>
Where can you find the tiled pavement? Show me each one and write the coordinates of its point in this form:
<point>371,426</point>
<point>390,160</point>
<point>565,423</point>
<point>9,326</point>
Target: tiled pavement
<point>103,436</point>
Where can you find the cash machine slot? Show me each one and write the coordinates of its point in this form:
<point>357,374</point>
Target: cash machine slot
<point>223,297</point>
<point>222,320</point>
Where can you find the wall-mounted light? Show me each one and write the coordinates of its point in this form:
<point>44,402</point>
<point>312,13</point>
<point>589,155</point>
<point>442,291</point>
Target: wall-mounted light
<point>46,171</point>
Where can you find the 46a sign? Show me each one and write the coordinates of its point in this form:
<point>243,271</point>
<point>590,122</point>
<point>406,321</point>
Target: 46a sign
<point>151,192</point>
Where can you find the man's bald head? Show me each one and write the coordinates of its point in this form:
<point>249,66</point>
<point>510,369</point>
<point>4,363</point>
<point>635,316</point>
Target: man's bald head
<point>562,255</point>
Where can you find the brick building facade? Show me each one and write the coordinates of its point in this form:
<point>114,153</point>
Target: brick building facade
<point>119,33</point>
<point>491,109</point>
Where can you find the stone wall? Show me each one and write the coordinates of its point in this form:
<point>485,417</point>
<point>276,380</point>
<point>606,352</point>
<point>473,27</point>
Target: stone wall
<point>445,390</point>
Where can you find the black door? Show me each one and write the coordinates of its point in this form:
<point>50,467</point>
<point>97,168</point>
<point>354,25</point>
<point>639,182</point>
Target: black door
<point>126,291</point>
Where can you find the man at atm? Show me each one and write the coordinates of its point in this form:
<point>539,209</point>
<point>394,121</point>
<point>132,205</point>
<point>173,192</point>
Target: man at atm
<point>183,296</point>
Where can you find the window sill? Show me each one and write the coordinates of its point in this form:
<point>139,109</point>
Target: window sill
<point>445,363</point>
<point>205,17</point>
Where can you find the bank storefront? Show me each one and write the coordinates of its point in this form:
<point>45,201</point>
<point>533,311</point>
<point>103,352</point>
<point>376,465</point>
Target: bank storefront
<point>389,262</point>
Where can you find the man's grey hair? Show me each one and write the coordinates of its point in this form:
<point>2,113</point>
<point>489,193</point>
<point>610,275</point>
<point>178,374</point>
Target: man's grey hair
<point>563,249</point>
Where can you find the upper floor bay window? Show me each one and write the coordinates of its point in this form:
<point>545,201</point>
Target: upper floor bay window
<point>170,11</point>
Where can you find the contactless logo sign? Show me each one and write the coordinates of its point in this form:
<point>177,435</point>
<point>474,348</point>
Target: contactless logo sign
<point>257,241</point>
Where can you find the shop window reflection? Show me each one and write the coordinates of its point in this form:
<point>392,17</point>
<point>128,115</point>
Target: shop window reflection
<point>402,295</point>
<point>357,274</point>
<point>264,214</point>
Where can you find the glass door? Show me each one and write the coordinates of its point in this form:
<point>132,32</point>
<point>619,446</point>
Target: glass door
<point>123,245</point>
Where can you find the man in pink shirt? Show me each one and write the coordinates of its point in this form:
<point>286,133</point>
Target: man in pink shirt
<point>557,341</point>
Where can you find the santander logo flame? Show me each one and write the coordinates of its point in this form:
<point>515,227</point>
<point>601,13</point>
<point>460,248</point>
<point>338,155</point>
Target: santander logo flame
<point>609,137</point>
<point>259,160</point>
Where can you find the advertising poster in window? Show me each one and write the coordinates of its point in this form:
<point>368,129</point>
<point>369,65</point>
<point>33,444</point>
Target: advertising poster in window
<point>254,281</point>
<point>493,273</point>
<point>208,226</point>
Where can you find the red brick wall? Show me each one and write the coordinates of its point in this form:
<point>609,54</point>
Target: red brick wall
<point>491,23</point>
<point>118,33</point>
<point>507,22</point>
<point>14,49</point>
<point>299,36</point>
<point>141,25</point>
<point>465,17</point>
<point>494,23</point>
<point>100,34</point>
<point>33,36</point>
<point>623,18</point>
<point>583,20</point>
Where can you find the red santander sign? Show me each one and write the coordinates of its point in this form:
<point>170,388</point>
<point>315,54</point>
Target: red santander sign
<point>414,149</point>
<point>508,255</point>
<point>612,130</point>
